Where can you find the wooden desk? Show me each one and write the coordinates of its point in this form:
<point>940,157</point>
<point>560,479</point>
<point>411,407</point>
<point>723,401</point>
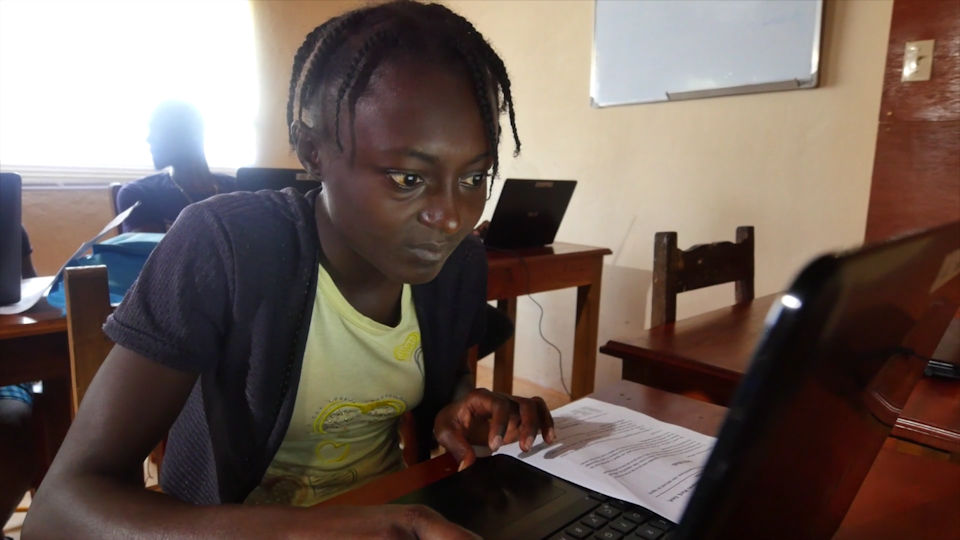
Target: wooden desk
<point>903,496</point>
<point>41,333</point>
<point>709,352</point>
<point>33,347</point>
<point>696,415</point>
<point>515,273</point>
<point>712,351</point>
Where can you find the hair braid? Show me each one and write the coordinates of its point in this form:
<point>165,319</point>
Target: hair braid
<point>472,36</point>
<point>342,53</point>
<point>326,50</point>
<point>488,110</point>
<point>309,44</point>
<point>325,43</point>
<point>361,62</point>
<point>500,73</point>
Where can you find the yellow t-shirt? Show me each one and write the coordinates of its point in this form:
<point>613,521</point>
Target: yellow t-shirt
<point>358,378</point>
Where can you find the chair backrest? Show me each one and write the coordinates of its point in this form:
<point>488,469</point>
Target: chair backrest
<point>676,271</point>
<point>88,305</point>
<point>114,191</point>
<point>257,178</point>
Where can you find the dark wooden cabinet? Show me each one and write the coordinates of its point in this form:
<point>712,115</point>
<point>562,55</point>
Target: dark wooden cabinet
<point>916,171</point>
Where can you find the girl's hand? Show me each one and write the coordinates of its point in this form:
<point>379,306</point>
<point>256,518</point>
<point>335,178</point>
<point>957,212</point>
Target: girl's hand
<point>493,419</point>
<point>387,521</point>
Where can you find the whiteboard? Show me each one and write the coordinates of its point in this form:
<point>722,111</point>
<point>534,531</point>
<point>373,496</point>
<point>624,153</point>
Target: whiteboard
<point>659,50</point>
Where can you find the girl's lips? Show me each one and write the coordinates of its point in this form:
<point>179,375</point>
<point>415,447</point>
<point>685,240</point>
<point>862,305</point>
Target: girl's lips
<point>429,252</point>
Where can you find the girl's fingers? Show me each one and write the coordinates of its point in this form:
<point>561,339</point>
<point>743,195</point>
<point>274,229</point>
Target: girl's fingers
<point>501,417</point>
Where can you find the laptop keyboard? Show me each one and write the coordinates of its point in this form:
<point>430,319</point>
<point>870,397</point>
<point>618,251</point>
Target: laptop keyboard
<point>613,519</point>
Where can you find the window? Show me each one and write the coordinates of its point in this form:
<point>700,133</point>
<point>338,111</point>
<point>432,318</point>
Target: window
<point>79,80</point>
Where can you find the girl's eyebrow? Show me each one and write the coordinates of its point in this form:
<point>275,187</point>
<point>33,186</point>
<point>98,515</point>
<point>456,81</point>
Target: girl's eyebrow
<point>432,159</point>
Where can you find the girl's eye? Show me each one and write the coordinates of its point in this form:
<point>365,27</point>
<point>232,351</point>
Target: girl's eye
<point>473,180</point>
<point>405,180</point>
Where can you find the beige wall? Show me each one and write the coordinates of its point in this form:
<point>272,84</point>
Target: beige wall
<point>59,220</point>
<point>280,28</point>
<point>796,165</point>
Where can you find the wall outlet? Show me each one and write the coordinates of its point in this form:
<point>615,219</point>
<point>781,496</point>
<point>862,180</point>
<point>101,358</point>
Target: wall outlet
<point>917,60</point>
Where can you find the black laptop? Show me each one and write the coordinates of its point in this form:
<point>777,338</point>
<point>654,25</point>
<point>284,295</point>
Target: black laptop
<point>257,178</point>
<point>528,213</point>
<point>11,254</point>
<point>840,355</point>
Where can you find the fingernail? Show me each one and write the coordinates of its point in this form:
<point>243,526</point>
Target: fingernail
<point>552,434</point>
<point>530,441</point>
<point>497,441</point>
<point>463,465</point>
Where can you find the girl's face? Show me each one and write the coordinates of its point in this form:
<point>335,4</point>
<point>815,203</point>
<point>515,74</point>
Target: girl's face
<point>411,180</point>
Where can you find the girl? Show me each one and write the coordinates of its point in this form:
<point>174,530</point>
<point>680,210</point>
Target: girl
<point>277,338</point>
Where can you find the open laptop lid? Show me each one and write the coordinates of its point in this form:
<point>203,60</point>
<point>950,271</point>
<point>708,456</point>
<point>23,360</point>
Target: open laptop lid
<point>11,254</point>
<point>841,354</point>
<point>528,213</point>
<point>257,178</point>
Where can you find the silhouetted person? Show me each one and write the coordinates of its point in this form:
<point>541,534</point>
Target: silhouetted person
<point>176,142</point>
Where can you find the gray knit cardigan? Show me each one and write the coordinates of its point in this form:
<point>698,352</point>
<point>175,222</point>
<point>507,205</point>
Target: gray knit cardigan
<point>228,294</point>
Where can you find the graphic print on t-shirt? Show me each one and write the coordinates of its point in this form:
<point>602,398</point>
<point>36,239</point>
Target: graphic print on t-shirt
<point>342,412</point>
<point>358,378</point>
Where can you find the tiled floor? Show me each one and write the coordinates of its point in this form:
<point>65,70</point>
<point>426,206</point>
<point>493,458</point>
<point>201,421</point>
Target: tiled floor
<point>12,528</point>
<point>521,387</point>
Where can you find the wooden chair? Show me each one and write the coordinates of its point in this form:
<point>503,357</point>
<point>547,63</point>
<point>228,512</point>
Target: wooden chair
<point>87,293</point>
<point>676,271</point>
<point>114,191</point>
<point>88,305</point>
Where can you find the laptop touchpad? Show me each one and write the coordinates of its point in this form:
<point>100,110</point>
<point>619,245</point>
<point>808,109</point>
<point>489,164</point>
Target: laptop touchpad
<point>495,494</point>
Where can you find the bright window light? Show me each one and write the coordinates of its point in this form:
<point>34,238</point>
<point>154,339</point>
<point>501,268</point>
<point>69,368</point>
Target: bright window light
<point>79,79</point>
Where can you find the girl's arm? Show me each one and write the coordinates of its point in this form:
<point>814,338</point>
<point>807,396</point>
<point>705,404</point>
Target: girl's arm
<point>95,485</point>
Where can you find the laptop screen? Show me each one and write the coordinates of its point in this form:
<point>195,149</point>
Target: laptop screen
<point>10,235</point>
<point>829,379</point>
<point>257,178</point>
<point>528,213</point>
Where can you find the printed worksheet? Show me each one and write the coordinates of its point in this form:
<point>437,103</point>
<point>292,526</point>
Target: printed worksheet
<point>622,453</point>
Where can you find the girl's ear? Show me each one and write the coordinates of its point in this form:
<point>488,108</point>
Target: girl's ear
<point>308,149</point>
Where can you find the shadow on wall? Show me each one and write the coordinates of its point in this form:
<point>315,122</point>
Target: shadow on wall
<point>623,307</point>
<point>623,313</point>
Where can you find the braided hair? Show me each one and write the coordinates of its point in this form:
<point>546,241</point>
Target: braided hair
<point>335,62</point>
